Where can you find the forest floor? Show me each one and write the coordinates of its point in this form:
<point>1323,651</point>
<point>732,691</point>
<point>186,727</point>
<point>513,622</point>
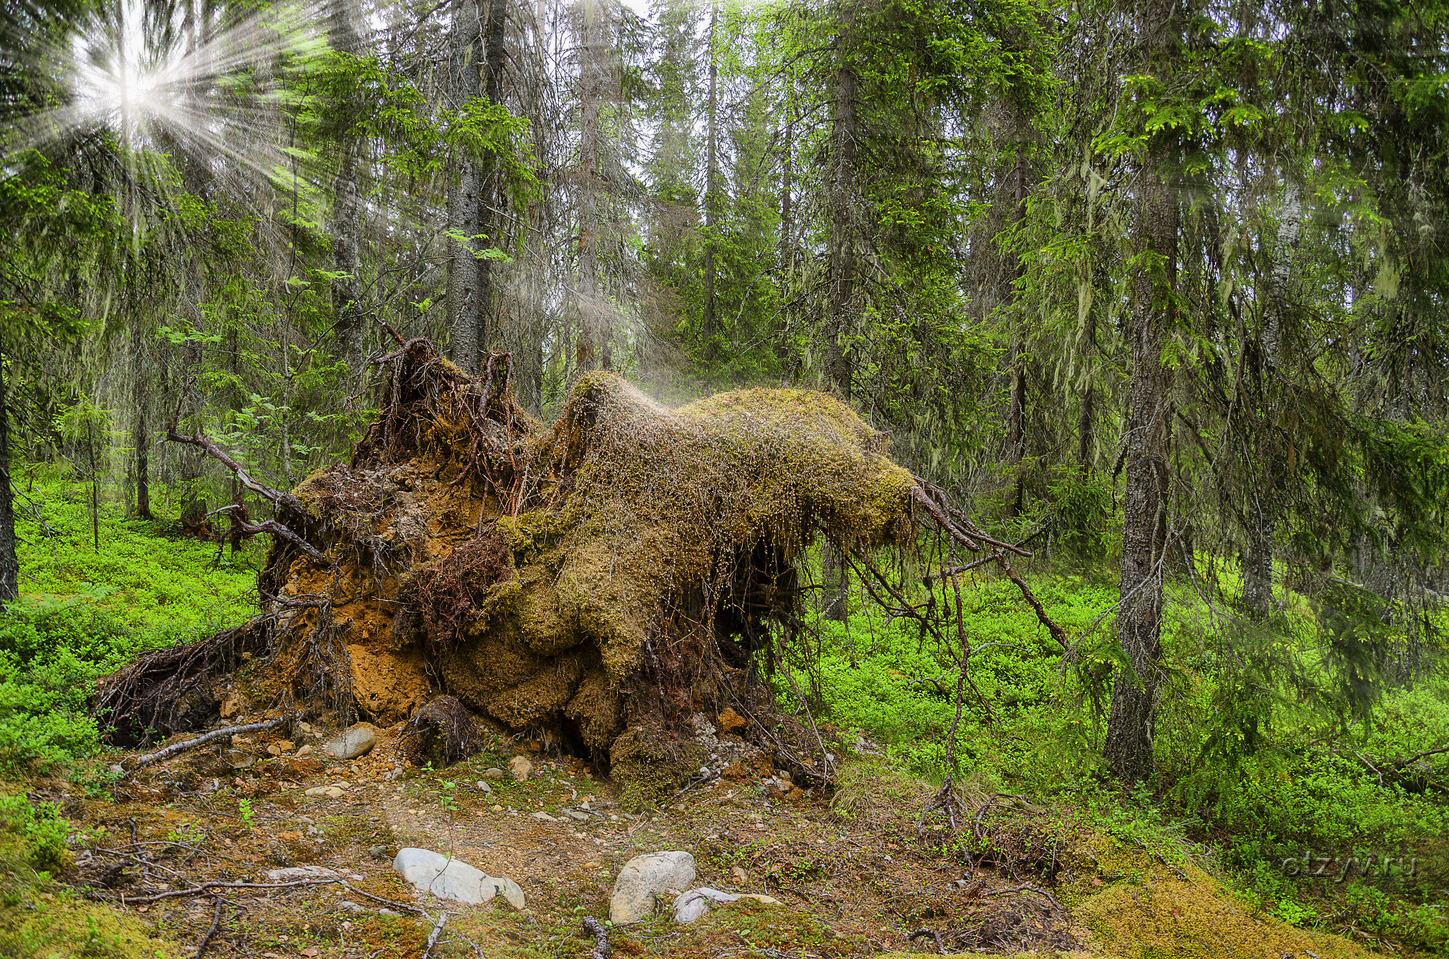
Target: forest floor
<point>856,874</point>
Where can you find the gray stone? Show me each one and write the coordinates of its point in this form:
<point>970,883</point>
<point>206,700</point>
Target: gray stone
<point>446,878</point>
<point>645,876</point>
<point>357,741</point>
<point>689,906</point>
<point>239,759</point>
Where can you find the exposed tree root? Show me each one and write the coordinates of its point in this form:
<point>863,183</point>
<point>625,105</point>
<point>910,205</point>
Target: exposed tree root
<point>596,583</point>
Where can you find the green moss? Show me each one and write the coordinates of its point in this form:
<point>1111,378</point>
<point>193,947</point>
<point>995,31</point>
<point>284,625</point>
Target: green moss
<point>61,927</point>
<point>1143,908</point>
<point>648,768</point>
<point>42,919</point>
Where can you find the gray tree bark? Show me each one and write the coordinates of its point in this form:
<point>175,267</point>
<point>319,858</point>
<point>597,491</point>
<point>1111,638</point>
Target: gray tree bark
<point>1263,510</point>
<point>1128,748</point>
<point>844,201</point>
<point>465,307</point>
<point>350,333</point>
<point>708,325</point>
<point>9,564</point>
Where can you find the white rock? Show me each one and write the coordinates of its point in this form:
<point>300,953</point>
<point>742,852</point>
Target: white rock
<point>446,878</point>
<point>357,741</point>
<point>642,878</point>
<point>691,905</point>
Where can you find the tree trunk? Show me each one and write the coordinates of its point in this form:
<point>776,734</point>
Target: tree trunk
<point>1128,748</point>
<point>9,564</point>
<point>465,309</point>
<point>843,200</point>
<point>588,308</point>
<point>1264,509</point>
<point>1016,411</point>
<point>488,178</point>
<point>787,172</point>
<point>1016,429</point>
<point>707,327</point>
<point>140,434</point>
<point>347,211</point>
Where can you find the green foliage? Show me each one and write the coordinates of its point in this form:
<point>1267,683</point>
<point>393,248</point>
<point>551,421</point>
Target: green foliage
<point>66,631</point>
<point>39,917</point>
<point>34,834</point>
<point>1086,530</point>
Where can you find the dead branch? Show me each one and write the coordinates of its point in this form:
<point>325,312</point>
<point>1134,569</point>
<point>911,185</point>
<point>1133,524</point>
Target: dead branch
<point>206,887</point>
<point>923,933</point>
<point>215,923</point>
<point>433,936</point>
<point>1059,634</point>
<point>593,927</point>
<point>386,902</point>
<point>277,529</point>
<point>284,501</point>
<point>174,749</point>
<point>919,495</point>
<point>1028,887</point>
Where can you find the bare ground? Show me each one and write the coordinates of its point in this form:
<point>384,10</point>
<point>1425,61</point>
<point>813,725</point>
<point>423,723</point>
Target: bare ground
<point>859,873</point>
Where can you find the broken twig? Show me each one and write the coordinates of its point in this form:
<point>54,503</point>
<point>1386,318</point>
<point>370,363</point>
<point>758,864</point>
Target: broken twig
<point>215,923</point>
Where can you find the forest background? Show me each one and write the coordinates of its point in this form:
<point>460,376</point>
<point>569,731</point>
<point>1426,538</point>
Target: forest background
<point>1155,288</point>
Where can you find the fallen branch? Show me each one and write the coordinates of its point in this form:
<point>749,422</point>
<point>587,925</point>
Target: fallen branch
<point>1027,887</point>
<point>593,927</point>
<point>1059,634</point>
<point>206,887</point>
<point>386,902</point>
<point>167,752</point>
<point>277,529</point>
<point>215,923</point>
<point>283,500</point>
<point>433,936</point>
<point>923,933</point>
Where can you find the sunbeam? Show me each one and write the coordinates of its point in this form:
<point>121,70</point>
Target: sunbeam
<point>204,98</point>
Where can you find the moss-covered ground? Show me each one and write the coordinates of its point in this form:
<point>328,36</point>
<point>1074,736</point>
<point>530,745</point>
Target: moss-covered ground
<point>1208,859</point>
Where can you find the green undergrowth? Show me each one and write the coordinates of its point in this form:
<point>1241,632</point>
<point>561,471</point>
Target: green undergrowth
<point>84,612</point>
<point>1265,753</point>
<point>44,919</point>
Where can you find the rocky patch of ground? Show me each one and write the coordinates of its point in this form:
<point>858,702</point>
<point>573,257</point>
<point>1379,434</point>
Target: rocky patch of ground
<point>271,847</point>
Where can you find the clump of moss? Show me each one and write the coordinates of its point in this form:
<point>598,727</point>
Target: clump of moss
<point>1144,907</point>
<point>650,767</point>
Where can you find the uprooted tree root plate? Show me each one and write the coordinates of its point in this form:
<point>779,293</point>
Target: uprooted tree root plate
<point>595,583</point>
